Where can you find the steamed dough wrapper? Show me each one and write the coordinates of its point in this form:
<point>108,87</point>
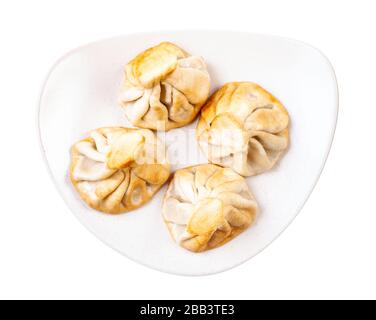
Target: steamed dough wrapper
<point>243,127</point>
<point>164,87</point>
<point>116,170</point>
<point>206,206</point>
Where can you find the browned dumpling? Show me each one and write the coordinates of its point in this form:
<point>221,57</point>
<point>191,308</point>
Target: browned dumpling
<point>116,170</point>
<point>243,127</point>
<point>206,206</point>
<point>164,87</point>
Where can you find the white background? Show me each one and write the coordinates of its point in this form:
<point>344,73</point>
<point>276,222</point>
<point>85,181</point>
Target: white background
<point>329,250</point>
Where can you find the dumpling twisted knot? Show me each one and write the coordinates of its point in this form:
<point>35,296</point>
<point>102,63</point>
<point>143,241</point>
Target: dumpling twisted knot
<point>117,169</point>
<point>206,206</point>
<point>243,127</point>
<point>164,88</point>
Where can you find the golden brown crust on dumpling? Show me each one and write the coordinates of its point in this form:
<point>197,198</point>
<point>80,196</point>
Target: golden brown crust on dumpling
<point>244,127</point>
<point>116,169</point>
<point>164,87</point>
<point>206,206</point>
<point>155,63</point>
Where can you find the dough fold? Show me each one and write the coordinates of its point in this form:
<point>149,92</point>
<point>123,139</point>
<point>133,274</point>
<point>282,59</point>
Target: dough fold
<point>164,88</point>
<point>116,170</point>
<point>243,127</point>
<point>206,206</point>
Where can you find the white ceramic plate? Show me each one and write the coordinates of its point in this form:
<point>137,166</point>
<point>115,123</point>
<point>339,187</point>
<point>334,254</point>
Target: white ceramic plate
<point>81,94</point>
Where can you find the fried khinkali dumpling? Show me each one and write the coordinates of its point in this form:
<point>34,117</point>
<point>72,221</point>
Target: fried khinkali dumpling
<point>164,88</point>
<point>116,170</point>
<point>243,127</point>
<point>206,206</point>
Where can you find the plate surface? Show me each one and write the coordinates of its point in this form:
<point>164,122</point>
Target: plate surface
<point>80,94</point>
